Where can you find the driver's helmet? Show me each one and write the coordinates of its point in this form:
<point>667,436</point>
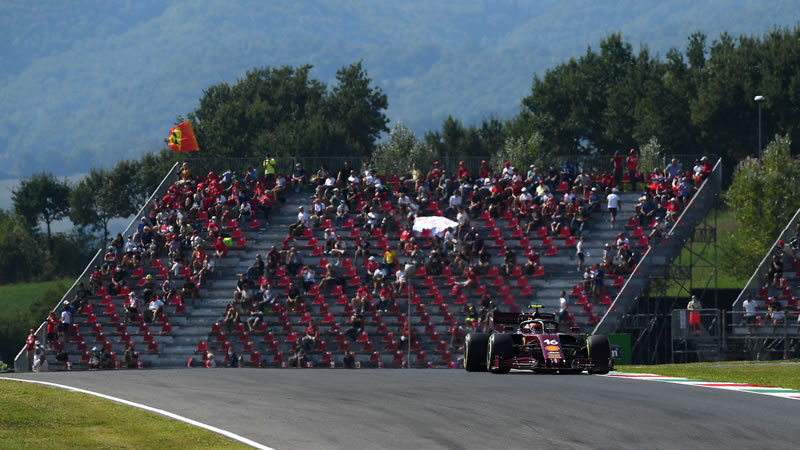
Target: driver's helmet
<point>536,328</point>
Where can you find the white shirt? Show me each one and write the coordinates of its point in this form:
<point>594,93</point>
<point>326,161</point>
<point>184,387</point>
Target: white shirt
<point>455,201</point>
<point>749,307</point>
<point>133,302</point>
<point>613,201</point>
<point>66,317</point>
<point>462,218</point>
<point>579,247</point>
<point>302,217</point>
<point>155,304</point>
<point>562,304</point>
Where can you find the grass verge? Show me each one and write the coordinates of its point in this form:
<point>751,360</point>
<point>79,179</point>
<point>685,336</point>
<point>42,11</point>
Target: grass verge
<point>17,298</point>
<point>753,372</point>
<point>34,416</point>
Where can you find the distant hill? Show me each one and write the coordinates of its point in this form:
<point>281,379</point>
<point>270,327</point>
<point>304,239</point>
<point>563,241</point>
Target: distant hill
<point>91,82</point>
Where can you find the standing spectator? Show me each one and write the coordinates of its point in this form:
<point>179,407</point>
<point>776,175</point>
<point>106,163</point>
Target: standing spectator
<point>131,307</point>
<point>614,205</point>
<point>618,161</point>
<point>30,347</point>
<point>694,308</point>
<point>66,322</point>
<point>52,330</point>
<point>269,170</point>
<point>673,169</point>
<point>749,305</point>
<point>633,162</point>
<point>580,253</point>
<point>39,359</point>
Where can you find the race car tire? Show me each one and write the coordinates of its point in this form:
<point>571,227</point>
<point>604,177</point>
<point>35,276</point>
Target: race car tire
<point>599,353</point>
<point>499,345</point>
<point>475,345</point>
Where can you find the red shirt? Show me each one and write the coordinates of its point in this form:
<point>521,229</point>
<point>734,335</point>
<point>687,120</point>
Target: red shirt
<point>618,160</point>
<point>220,247</point>
<point>30,343</point>
<point>52,325</point>
<point>463,172</point>
<point>486,171</point>
<point>633,161</point>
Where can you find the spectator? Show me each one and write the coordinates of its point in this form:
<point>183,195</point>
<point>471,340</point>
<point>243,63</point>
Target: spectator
<point>189,289</point>
<point>131,307</point>
<point>269,170</point>
<point>775,313</point>
<point>618,161</point>
<point>694,308</point>
<point>775,271</point>
<point>39,360</point>
<point>130,358</point>
<point>210,362</point>
<point>31,343</point>
<point>614,205</point>
<point>95,359</point>
<point>298,359</point>
<point>302,222</point>
<point>633,162</point>
<point>66,322</point>
<point>356,326</point>
<point>310,340</point>
<point>232,360</point>
<point>156,308</point>
<point>349,360</point>
<point>749,305</point>
<point>673,169</point>
<point>580,253</point>
<point>52,330</point>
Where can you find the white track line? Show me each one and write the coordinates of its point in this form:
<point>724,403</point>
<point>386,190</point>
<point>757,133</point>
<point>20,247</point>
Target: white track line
<point>214,429</point>
<point>791,394</point>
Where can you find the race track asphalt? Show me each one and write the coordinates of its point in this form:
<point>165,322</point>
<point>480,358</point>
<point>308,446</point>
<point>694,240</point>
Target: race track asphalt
<point>423,409</point>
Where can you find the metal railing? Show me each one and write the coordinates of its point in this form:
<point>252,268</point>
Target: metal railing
<point>285,164</point>
<point>662,252</point>
<point>757,280</point>
<point>21,361</point>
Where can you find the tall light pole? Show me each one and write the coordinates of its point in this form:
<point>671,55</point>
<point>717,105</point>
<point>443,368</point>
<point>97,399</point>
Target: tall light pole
<point>759,99</point>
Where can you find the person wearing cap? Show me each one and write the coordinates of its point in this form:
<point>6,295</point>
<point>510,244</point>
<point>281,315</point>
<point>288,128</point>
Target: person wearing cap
<point>299,177</point>
<point>614,202</point>
<point>462,173</point>
<point>485,171</point>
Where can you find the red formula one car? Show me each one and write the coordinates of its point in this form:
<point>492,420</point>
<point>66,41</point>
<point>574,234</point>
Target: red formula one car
<point>531,341</point>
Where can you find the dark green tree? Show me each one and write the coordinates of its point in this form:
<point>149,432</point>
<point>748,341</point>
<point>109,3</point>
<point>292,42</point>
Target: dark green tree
<point>42,197</point>
<point>101,197</point>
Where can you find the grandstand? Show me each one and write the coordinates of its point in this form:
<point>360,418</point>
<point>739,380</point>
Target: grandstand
<point>433,305</point>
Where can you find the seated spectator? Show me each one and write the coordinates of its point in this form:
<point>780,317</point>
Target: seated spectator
<point>220,249</point>
<point>349,360</point>
<point>298,359</point>
<point>130,358</point>
<point>233,360</point>
<point>256,270</point>
<point>303,222</point>
<point>332,276</point>
<point>293,299</point>
<point>356,326</point>
<point>189,289</point>
<point>210,362</point>
<point>156,308</point>
<point>362,249</point>
<point>117,281</point>
<point>658,229</point>
<point>386,298</point>
<point>775,313</point>
<point>230,317</point>
<point>775,271</point>
<point>293,261</point>
<point>309,341</point>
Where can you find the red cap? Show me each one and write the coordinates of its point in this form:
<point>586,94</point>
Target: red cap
<point>507,164</point>
<point>483,161</point>
<point>461,163</point>
<point>436,163</point>
<point>633,150</point>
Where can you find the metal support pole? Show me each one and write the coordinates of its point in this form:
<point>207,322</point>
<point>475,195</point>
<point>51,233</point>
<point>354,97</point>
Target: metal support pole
<point>759,131</point>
